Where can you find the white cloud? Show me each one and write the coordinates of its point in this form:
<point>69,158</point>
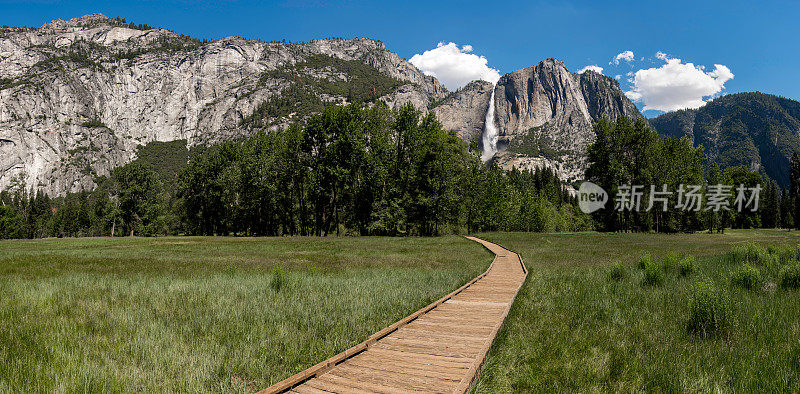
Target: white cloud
<point>676,85</point>
<point>454,67</point>
<point>617,76</point>
<point>592,67</point>
<point>625,55</point>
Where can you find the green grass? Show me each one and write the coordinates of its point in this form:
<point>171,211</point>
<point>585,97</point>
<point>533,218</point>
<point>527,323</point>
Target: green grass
<point>238,314</point>
<point>746,276</point>
<point>206,314</point>
<point>577,325</point>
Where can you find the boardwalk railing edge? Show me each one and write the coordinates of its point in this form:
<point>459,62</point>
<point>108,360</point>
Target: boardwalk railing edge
<point>324,366</point>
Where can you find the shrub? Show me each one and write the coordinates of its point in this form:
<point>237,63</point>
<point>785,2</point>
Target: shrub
<point>788,254</point>
<point>653,273</point>
<point>709,312</point>
<point>94,123</point>
<point>618,271</point>
<point>746,276</point>
<point>279,279</point>
<point>671,261</point>
<point>750,253</point>
<point>687,266</point>
<point>790,276</point>
<point>644,260</point>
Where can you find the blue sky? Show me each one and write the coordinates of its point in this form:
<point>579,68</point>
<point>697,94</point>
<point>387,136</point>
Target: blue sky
<point>757,42</point>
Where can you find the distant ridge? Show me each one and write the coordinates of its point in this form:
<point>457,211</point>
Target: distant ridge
<point>757,130</point>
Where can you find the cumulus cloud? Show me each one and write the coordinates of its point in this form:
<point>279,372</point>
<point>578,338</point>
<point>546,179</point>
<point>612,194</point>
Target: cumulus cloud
<point>591,67</point>
<point>677,85</point>
<point>453,66</point>
<point>625,55</point>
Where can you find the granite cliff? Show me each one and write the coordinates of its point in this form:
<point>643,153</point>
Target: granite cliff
<point>78,97</point>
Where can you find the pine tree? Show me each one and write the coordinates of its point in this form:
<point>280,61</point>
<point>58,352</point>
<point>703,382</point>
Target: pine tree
<point>794,186</point>
<point>787,204</point>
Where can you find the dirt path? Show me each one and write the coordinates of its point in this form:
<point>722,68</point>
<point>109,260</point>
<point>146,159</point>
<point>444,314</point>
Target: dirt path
<point>439,348</point>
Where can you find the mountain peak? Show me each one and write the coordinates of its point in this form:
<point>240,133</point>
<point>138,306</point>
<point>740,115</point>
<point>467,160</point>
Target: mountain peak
<point>90,18</point>
<point>553,62</point>
<point>80,21</point>
<point>546,64</point>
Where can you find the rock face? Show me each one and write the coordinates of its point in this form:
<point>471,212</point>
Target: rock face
<point>78,97</point>
<point>545,115</point>
<point>465,110</point>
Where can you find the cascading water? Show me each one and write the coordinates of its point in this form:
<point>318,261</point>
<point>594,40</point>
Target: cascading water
<point>489,132</point>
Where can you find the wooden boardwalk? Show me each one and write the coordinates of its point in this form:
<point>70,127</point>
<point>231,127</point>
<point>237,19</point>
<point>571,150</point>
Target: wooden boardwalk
<point>439,348</point>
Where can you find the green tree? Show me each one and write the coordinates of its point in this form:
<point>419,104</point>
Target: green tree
<point>794,187</point>
<point>138,190</point>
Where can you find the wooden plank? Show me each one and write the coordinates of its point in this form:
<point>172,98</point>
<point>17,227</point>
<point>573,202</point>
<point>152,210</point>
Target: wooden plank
<point>436,335</point>
<point>427,329</point>
<point>428,350</point>
<point>407,369</point>
<point>457,328</point>
<point>458,362</point>
<point>334,387</point>
<point>449,345</point>
<point>349,385</point>
<point>411,364</point>
<point>306,389</point>
<point>395,380</point>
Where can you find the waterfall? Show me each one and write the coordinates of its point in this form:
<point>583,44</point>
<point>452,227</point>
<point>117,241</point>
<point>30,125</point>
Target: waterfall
<point>489,132</point>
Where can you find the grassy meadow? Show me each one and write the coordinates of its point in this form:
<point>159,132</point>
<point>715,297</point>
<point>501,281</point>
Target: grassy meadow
<point>238,314</point>
<point>206,314</point>
<point>589,319</point>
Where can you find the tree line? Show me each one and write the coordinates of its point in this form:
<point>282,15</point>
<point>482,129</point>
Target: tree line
<point>353,170</point>
<point>369,170</point>
<point>629,152</point>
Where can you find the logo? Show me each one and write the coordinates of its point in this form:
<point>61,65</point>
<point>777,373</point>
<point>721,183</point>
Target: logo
<point>591,197</point>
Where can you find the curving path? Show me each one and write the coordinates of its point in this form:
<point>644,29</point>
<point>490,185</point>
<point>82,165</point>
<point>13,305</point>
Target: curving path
<point>439,348</point>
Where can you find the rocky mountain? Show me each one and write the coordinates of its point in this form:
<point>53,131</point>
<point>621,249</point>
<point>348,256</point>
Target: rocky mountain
<point>545,115</point>
<point>78,97</point>
<point>757,130</point>
<point>465,110</point>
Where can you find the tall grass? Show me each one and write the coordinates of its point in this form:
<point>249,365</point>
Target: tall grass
<point>746,276</point>
<point>750,253</point>
<point>572,329</point>
<point>279,279</point>
<point>618,271</point>
<point>653,273</point>
<point>687,265</point>
<point>790,276</point>
<point>709,310</point>
<point>206,314</point>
